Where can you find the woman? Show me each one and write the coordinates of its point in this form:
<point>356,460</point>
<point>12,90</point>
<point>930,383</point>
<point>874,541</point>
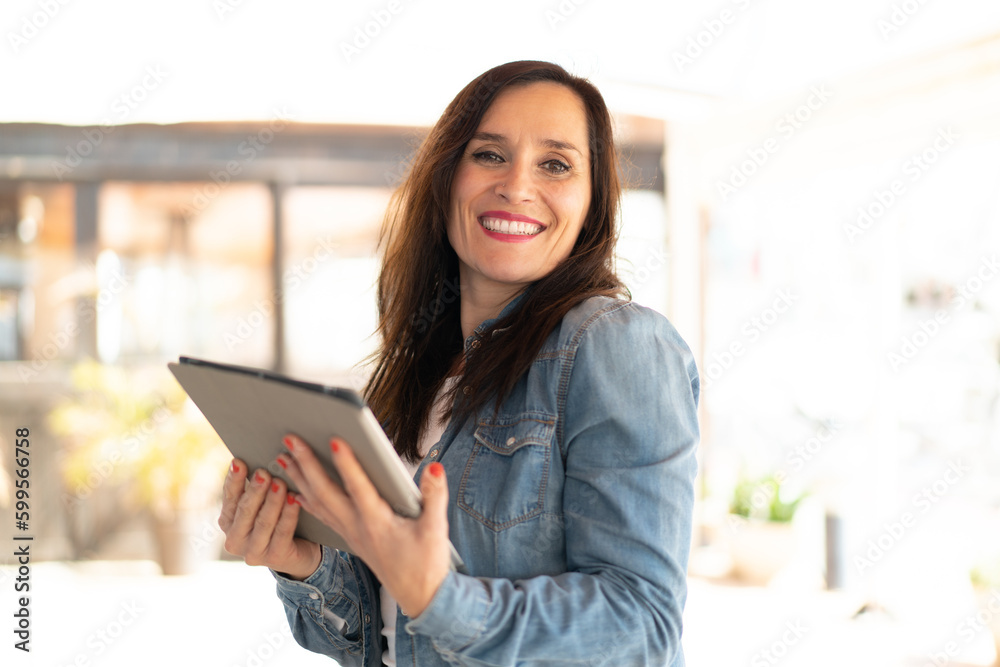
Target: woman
<point>551,424</point>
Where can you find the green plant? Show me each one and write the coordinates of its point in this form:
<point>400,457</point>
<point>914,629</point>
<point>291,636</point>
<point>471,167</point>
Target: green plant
<point>985,575</point>
<point>137,429</point>
<point>765,498</point>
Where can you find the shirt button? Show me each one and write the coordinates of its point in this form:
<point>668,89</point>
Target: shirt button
<point>434,453</point>
<point>476,344</point>
<point>511,441</point>
<point>466,390</point>
<point>314,596</point>
<point>368,619</point>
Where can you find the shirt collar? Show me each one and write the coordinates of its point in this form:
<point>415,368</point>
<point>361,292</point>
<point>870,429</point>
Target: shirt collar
<point>511,307</point>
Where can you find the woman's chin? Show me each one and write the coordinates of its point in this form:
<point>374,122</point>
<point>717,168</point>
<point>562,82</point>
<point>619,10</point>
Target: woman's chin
<point>512,278</point>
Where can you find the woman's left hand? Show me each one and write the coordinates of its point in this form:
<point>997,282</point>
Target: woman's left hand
<point>410,557</point>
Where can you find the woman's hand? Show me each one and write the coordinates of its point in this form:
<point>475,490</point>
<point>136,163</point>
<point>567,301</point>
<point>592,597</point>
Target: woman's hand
<point>259,522</point>
<point>411,557</point>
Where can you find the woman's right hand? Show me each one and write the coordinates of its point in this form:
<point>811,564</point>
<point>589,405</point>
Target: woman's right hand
<point>259,521</point>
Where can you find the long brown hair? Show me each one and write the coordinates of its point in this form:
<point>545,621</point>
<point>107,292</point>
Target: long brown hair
<point>418,290</point>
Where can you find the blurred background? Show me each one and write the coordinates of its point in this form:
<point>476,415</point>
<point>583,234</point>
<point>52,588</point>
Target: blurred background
<point>814,201</point>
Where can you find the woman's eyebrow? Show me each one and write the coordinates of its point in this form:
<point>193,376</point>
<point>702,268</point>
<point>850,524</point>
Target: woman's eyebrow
<point>490,136</point>
<point>548,143</point>
<point>561,146</point>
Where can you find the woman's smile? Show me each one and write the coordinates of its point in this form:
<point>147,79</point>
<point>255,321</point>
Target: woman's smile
<point>510,227</point>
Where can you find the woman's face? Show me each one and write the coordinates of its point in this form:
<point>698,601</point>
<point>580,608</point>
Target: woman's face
<point>521,189</point>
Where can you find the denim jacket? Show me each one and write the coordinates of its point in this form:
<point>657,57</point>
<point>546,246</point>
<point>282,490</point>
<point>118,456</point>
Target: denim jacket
<point>571,509</point>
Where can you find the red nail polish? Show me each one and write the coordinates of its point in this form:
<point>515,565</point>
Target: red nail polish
<point>274,487</point>
<point>435,469</point>
<point>291,498</point>
<point>258,477</point>
<point>288,442</point>
<point>334,445</point>
<point>281,462</point>
<point>236,466</point>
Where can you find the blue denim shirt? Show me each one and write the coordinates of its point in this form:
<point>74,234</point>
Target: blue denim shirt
<point>572,510</point>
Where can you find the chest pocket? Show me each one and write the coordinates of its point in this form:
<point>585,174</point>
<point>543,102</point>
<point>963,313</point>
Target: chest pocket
<point>504,480</point>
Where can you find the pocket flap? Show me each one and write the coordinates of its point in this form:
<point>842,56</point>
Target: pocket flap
<point>506,437</point>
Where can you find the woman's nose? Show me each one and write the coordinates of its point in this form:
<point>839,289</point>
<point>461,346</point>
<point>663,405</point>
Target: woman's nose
<point>517,184</point>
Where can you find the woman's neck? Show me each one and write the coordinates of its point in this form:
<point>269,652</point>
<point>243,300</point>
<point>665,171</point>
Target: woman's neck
<point>481,302</point>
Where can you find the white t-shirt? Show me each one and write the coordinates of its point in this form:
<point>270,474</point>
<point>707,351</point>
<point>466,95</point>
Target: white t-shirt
<point>430,437</point>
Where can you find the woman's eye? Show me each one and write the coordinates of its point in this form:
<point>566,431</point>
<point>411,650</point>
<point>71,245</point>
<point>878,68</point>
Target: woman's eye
<point>556,166</point>
<point>488,157</point>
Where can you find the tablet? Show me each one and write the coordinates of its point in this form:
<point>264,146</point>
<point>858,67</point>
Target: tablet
<point>252,410</point>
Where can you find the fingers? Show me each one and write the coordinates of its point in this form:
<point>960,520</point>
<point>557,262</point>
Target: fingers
<point>284,530</point>
<point>320,495</point>
<point>232,489</point>
<point>294,471</point>
<point>259,519</point>
<point>434,487</point>
<point>246,512</point>
<point>261,535</point>
<point>356,482</point>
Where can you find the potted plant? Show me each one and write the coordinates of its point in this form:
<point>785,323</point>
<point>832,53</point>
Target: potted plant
<point>133,437</point>
<point>762,537</point>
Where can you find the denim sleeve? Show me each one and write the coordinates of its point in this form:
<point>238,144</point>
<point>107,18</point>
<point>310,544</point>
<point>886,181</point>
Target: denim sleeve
<point>629,437</point>
<point>325,611</point>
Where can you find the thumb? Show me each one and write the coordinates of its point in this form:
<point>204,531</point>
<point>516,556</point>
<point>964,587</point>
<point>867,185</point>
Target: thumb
<point>434,487</point>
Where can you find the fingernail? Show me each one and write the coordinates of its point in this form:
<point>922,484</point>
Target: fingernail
<point>288,442</point>
<point>334,445</point>
<point>236,466</point>
<point>281,462</point>
<point>292,500</point>
<point>274,487</point>
<point>257,477</point>
<point>435,469</point>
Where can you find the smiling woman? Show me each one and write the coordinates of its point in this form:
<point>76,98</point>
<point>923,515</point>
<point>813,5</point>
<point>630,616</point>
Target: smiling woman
<point>556,419</point>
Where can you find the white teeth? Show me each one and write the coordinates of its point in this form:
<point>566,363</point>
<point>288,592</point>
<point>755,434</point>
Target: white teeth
<point>510,227</point>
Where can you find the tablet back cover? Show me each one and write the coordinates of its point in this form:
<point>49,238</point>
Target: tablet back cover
<point>252,414</point>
